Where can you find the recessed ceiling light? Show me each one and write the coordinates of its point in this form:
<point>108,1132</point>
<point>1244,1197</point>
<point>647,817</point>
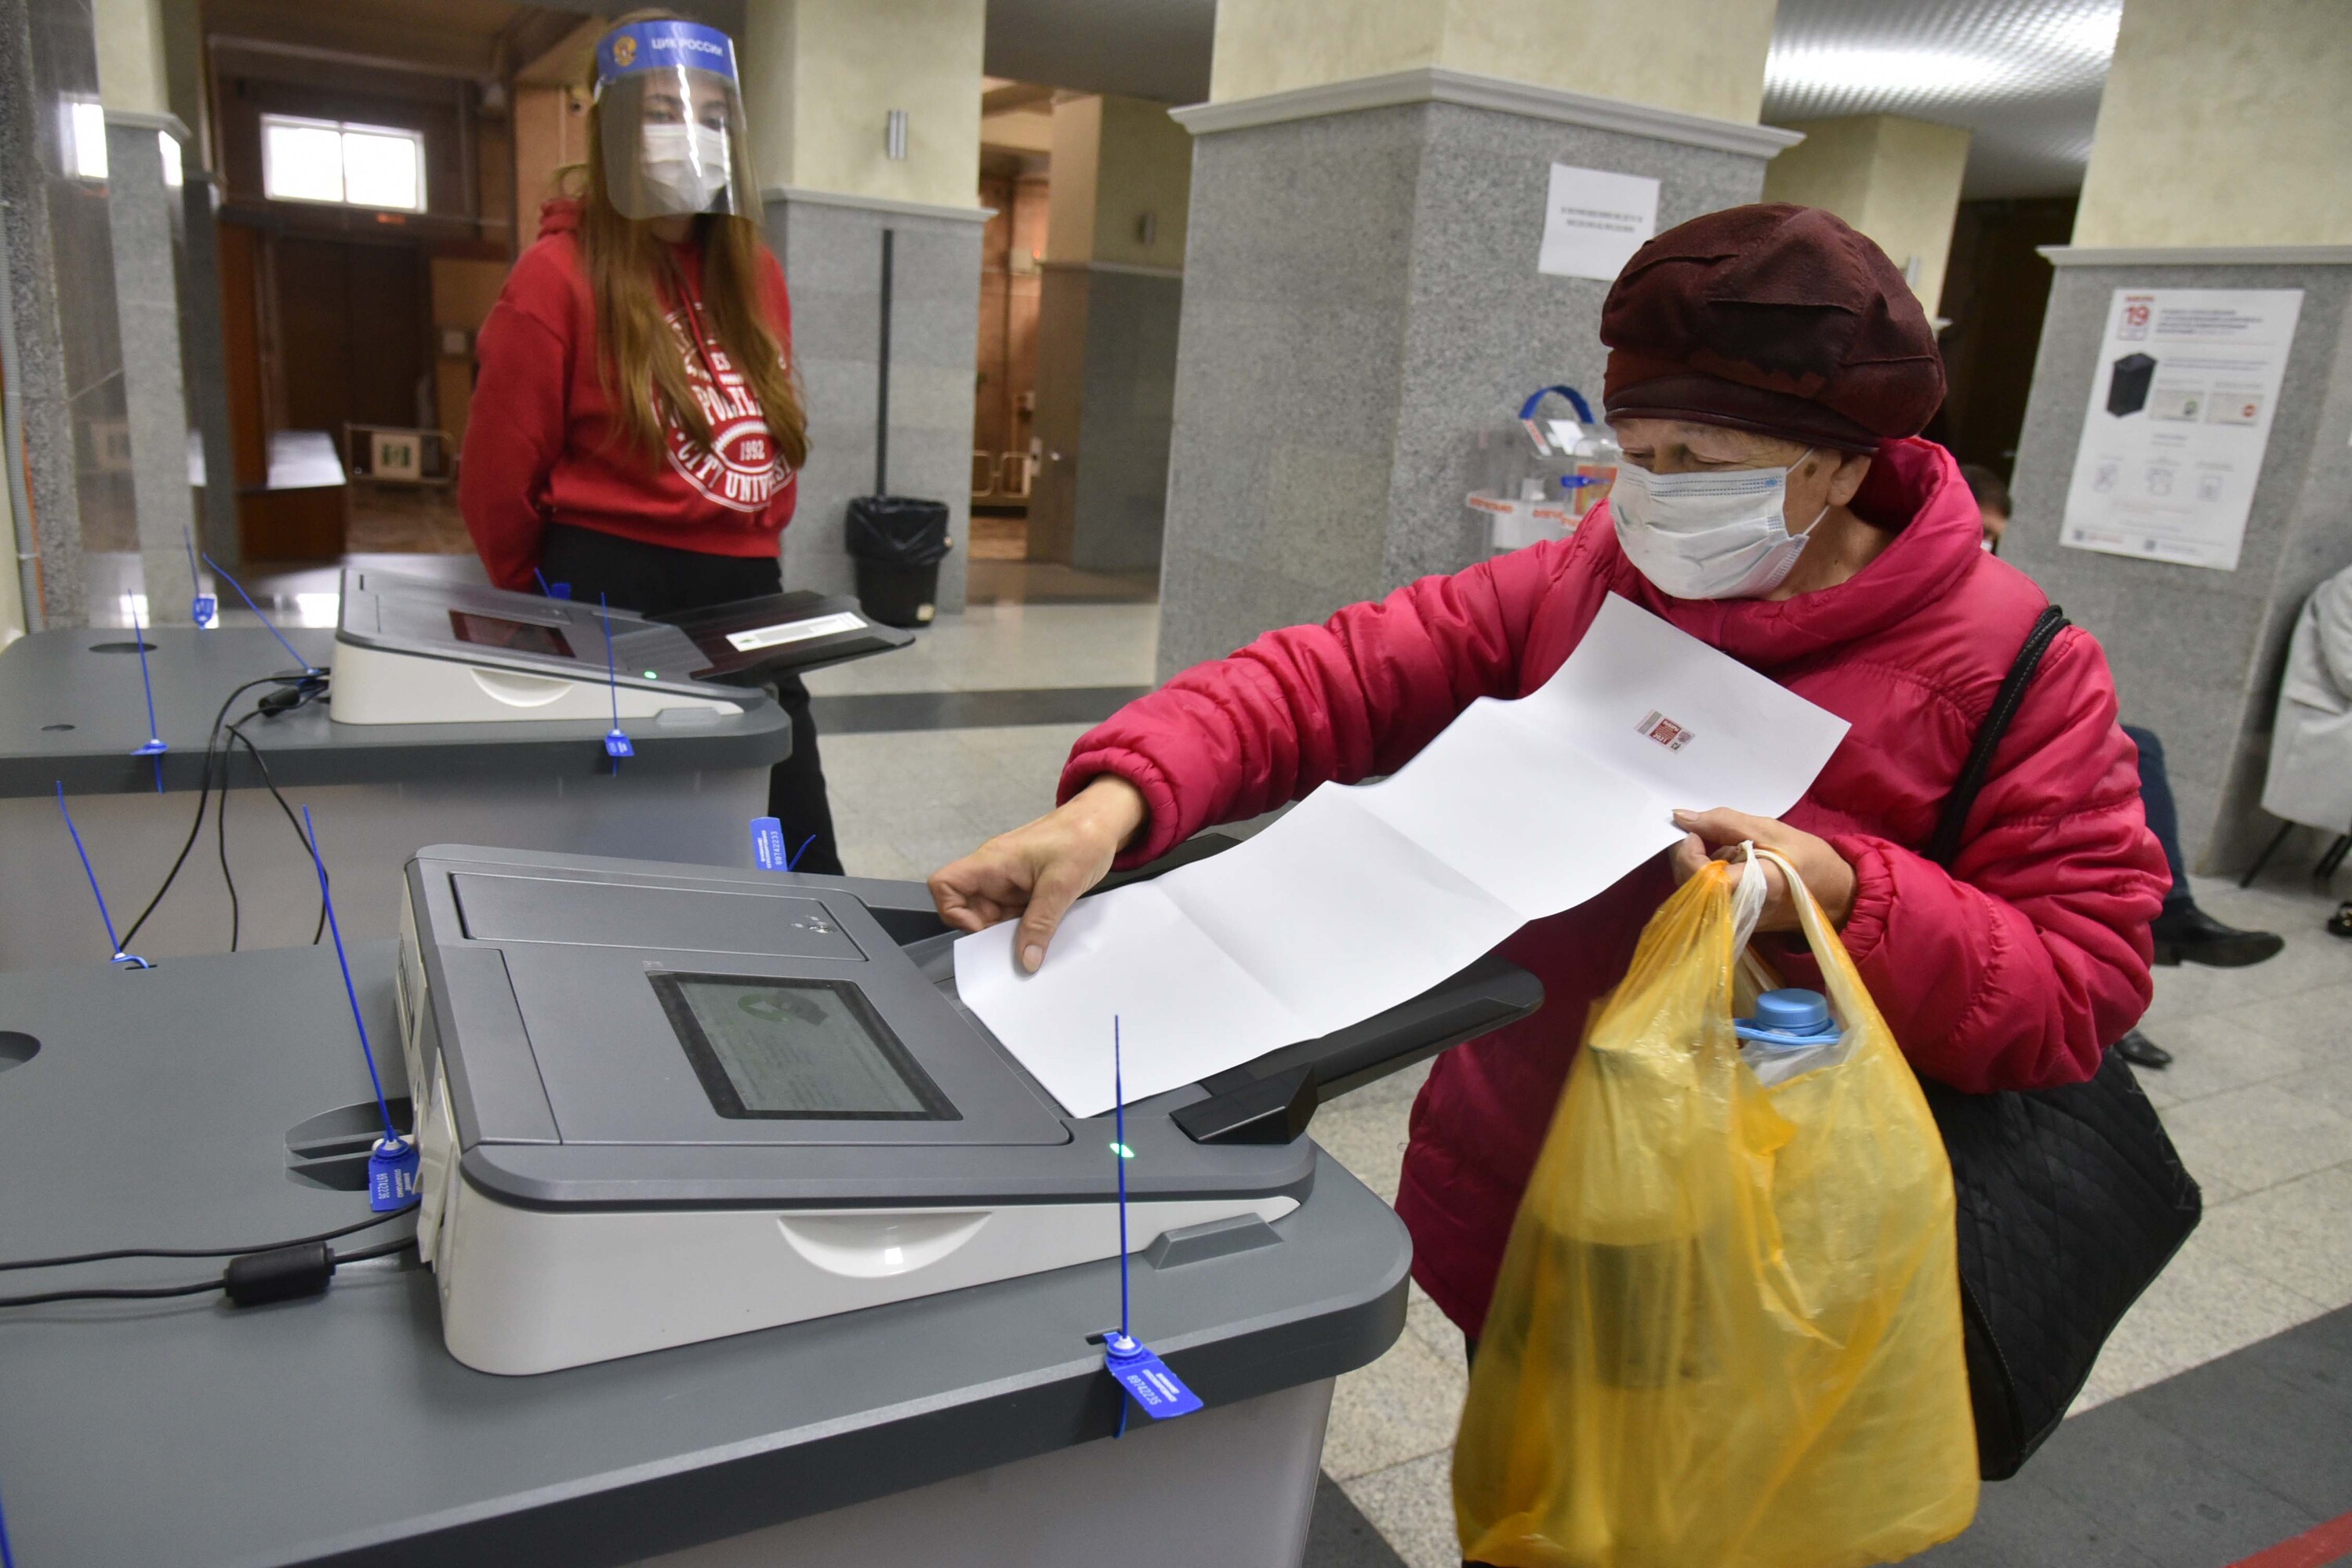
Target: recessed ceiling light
<point>2091,32</point>
<point>1916,73</point>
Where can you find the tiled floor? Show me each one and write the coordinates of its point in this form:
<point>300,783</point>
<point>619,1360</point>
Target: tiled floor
<point>907,803</point>
<point>999,538</point>
<point>1011,647</point>
<point>2259,1101</point>
<point>2241,1460</point>
<point>419,519</point>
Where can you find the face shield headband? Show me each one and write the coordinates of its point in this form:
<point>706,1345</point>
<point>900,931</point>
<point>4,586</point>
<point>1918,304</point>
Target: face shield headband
<point>672,120</point>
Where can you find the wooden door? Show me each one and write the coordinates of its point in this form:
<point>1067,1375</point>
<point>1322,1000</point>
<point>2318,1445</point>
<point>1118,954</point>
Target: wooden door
<point>351,332</point>
<point>248,420</point>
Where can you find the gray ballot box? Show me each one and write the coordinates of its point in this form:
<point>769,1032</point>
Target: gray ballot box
<point>72,712</point>
<point>223,1099</point>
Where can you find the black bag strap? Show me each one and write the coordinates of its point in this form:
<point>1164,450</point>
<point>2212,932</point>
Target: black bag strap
<point>1944,846</point>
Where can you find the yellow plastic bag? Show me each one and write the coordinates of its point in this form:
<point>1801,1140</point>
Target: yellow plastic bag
<point>1726,1334</point>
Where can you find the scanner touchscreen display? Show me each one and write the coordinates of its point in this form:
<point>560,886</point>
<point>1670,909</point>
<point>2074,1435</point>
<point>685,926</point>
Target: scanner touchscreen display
<point>795,1049</point>
<point>497,631</point>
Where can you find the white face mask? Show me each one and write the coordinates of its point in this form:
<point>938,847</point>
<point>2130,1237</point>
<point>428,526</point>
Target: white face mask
<point>685,165</point>
<point>1714,535</point>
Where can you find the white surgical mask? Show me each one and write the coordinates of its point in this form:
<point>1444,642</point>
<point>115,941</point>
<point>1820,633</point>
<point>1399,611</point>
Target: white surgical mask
<point>1721,534</point>
<point>687,164</point>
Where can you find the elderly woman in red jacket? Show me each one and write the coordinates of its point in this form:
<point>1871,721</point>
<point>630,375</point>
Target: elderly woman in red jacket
<point>1767,372</point>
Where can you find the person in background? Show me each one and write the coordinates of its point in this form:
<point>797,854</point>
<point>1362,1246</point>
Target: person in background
<point>2310,775</point>
<point>1992,503</point>
<point>2183,932</point>
<point>1769,370</point>
<point>638,426</point>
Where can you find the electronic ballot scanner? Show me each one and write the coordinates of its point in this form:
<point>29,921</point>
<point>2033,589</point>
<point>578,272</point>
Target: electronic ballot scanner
<point>419,650</point>
<point>657,1104</point>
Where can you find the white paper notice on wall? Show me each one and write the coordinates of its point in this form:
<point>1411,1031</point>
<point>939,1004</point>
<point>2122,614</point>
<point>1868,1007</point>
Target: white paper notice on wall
<point>2181,399</point>
<point>1365,896</point>
<point>1594,221</point>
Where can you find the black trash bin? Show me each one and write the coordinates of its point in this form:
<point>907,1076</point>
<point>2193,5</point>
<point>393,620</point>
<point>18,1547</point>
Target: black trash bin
<point>898,543</point>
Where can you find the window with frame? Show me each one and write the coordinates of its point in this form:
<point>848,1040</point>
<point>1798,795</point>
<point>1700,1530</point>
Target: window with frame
<point>378,166</point>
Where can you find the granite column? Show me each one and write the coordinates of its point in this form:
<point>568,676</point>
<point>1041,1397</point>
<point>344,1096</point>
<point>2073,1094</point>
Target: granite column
<point>2217,164</point>
<point>865,119</point>
<point>1362,293</point>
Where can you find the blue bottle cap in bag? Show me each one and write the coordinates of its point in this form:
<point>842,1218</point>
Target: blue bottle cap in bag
<point>1787,1018</point>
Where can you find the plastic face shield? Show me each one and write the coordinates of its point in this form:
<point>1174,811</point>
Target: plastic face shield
<point>672,141</point>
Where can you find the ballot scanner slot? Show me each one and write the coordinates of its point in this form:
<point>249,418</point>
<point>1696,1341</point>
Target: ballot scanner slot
<point>1272,1099</point>
<point>576,913</point>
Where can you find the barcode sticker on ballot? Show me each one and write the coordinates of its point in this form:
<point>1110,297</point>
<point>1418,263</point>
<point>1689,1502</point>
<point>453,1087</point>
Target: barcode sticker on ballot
<point>1663,730</point>
<point>794,631</point>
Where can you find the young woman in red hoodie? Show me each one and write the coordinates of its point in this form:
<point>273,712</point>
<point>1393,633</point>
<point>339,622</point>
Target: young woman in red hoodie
<point>638,426</point>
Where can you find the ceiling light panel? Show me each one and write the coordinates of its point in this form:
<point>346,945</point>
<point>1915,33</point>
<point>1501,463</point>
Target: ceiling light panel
<point>2024,76</point>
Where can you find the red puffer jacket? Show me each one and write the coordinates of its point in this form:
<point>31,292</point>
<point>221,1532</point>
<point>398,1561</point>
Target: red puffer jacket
<point>2015,972</point>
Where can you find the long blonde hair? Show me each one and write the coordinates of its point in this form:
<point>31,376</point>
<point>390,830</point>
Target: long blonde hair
<point>631,276</point>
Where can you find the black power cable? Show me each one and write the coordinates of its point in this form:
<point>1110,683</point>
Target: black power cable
<point>214,746</point>
<point>121,1252</point>
<point>381,1249</point>
<point>293,692</point>
<point>280,1274</point>
<point>236,733</point>
<point>220,840</point>
<point>129,1293</point>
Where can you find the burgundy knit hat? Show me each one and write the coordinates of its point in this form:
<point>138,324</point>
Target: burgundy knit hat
<point>1775,319</point>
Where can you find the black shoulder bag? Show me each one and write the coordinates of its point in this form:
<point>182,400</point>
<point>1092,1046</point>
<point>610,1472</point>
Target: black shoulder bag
<point>2071,1201</point>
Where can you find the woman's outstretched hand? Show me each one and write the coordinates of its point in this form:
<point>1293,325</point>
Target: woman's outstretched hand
<point>1718,835</point>
<point>1038,871</point>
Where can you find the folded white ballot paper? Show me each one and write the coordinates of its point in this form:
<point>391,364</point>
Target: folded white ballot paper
<point>1364,896</point>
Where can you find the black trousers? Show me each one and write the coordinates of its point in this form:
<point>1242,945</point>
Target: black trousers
<point>654,580</point>
<point>2163,817</point>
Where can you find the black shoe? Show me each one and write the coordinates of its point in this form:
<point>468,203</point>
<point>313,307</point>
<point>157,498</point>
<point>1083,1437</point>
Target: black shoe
<point>2142,1052</point>
<point>2340,923</point>
<point>2188,932</point>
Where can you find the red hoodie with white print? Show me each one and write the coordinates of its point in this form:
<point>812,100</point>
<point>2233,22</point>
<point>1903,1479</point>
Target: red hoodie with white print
<point>542,446</point>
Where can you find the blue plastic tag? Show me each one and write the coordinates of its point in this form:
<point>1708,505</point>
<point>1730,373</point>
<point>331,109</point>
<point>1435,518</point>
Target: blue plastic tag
<point>616,744</point>
<point>203,609</point>
<point>1148,1380</point>
<point>768,844</point>
<point>559,590</point>
<point>391,1176</point>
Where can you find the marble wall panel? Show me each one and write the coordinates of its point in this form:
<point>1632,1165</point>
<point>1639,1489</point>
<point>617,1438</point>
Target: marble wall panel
<point>2197,654</point>
<point>1131,408</point>
<point>832,256</point>
<point>1360,298</point>
<point>1291,348</point>
<point>204,362</point>
<point>144,215</point>
<point>1485,329</point>
<point>61,316</point>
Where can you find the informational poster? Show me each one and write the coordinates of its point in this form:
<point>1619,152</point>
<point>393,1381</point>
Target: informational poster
<point>2181,413</point>
<point>1594,221</point>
